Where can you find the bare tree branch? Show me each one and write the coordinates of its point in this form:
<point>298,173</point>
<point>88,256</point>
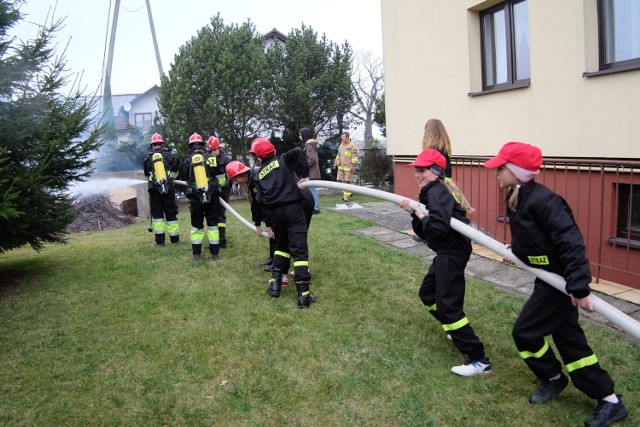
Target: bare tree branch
<point>367,82</point>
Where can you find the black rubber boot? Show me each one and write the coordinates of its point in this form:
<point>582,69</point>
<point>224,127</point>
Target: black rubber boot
<point>305,297</point>
<point>160,239</point>
<point>175,239</point>
<point>275,285</point>
<point>197,251</point>
<point>223,237</point>
<point>215,251</point>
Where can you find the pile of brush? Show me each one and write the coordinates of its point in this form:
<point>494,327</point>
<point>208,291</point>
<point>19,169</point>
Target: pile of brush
<point>98,212</point>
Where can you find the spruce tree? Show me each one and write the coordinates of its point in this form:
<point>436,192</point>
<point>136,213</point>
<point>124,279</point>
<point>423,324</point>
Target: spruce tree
<point>44,143</point>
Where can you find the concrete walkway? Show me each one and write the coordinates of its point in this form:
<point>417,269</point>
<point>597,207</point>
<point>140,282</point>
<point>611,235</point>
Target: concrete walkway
<point>394,228</point>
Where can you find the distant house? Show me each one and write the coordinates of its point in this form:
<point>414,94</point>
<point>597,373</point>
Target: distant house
<point>133,109</point>
<point>141,110</point>
<point>272,37</point>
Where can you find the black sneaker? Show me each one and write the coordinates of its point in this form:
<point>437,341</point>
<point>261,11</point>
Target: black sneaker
<point>416,239</point>
<point>607,413</point>
<point>549,390</point>
<point>267,268</point>
<point>316,211</point>
<point>267,262</point>
<point>196,257</point>
<point>215,257</point>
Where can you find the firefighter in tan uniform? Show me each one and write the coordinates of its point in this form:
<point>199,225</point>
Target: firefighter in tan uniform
<point>346,162</point>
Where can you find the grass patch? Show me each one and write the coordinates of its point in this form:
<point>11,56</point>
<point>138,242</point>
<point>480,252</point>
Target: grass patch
<point>110,329</point>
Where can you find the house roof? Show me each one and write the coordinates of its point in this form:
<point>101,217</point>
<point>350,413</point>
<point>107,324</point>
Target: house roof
<point>153,89</point>
<point>275,34</point>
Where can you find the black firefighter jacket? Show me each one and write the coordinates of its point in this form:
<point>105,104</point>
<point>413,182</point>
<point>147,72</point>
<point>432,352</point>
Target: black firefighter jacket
<point>545,235</point>
<point>436,227</point>
<point>277,182</point>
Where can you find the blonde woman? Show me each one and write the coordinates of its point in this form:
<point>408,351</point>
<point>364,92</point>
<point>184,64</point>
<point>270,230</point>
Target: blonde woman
<point>436,137</point>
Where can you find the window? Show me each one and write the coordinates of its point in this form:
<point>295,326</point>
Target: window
<point>505,46</point>
<point>619,34</point>
<point>628,223</point>
<point>143,120</point>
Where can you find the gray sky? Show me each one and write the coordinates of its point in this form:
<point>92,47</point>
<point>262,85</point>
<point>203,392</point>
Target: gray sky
<point>134,66</point>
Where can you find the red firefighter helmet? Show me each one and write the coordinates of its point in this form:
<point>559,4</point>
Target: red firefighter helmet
<point>156,139</point>
<point>262,148</point>
<point>195,138</point>
<point>235,168</point>
<point>213,143</point>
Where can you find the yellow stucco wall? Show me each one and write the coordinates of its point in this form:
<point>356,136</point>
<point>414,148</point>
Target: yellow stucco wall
<point>432,61</point>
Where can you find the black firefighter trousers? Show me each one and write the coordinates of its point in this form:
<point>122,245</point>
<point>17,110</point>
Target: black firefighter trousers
<point>442,292</point>
<point>290,228</point>
<point>550,312</point>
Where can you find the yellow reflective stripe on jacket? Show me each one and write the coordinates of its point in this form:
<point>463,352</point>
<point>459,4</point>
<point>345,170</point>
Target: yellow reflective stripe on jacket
<point>431,307</point>
<point>282,254</point>
<point>301,263</point>
<point>457,325</point>
<point>539,260</point>
<point>271,166</point>
<point>586,361</point>
<point>538,354</point>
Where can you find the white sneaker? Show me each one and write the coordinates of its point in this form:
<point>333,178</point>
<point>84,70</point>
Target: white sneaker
<point>473,367</point>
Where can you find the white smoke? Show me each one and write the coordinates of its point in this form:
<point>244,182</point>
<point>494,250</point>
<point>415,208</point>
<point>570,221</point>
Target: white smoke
<point>101,186</point>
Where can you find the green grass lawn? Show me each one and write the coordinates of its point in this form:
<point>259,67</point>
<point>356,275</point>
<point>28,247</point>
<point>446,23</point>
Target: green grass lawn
<point>111,330</point>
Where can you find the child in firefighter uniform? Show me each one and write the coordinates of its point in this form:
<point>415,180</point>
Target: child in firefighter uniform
<point>443,288</point>
<point>544,235</point>
<point>346,162</point>
<point>161,168</point>
<point>280,198</point>
<point>241,174</point>
<point>218,163</point>
<point>203,194</point>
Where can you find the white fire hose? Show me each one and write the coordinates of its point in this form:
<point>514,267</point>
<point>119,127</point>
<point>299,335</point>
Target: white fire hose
<point>241,219</point>
<point>606,310</point>
<point>230,209</point>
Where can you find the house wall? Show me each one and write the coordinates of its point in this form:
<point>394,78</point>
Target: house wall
<point>145,103</point>
<point>432,63</point>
